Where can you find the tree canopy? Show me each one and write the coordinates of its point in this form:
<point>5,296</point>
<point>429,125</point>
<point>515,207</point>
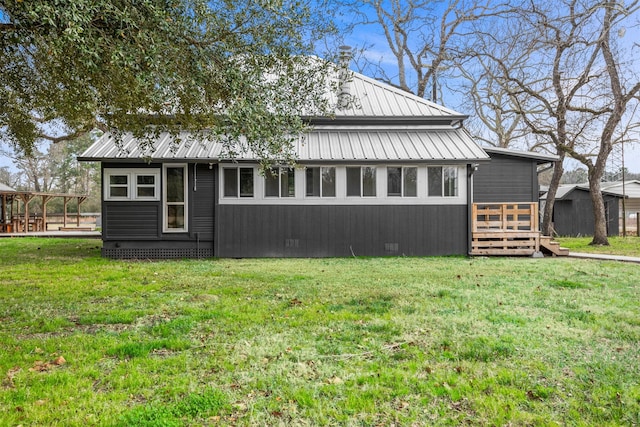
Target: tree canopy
<point>221,67</point>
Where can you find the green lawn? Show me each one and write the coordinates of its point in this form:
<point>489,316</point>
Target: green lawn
<point>629,246</point>
<point>353,341</point>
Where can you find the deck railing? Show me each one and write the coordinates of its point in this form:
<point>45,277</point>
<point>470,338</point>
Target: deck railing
<point>505,229</point>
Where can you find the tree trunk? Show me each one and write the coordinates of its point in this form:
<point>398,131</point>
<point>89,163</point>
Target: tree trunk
<point>599,213</point>
<point>547,216</point>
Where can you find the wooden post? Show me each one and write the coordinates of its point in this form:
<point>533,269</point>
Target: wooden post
<point>64,218</point>
<point>504,216</point>
<point>45,200</point>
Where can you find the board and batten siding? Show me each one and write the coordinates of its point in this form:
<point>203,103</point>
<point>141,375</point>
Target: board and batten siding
<point>506,179</point>
<point>339,230</point>
<point>573,215</point>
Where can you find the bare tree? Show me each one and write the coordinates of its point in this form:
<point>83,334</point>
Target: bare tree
<point>425,37</point>
<point>494,120</point>
<point>565,81</point>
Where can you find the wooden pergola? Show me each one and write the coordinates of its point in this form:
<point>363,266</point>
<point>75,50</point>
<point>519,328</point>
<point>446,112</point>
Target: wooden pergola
<point>13,219</point>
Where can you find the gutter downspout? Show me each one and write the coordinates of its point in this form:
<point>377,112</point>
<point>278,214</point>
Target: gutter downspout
<point>471,168</point>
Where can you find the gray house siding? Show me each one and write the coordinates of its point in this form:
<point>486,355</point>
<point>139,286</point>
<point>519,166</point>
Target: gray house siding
<point>325,231</point>
<point>573,215</point>
<point>506,179</point>
<point>133,229</point>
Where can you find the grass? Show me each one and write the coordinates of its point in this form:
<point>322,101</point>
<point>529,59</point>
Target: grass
<point>353,341</point>
<point>628,246</point>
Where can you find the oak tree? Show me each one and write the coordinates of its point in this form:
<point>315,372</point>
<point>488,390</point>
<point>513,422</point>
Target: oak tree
<point>236,70</point>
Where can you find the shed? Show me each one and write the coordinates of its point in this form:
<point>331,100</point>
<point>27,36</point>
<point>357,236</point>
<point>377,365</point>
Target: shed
<point>573,211</point>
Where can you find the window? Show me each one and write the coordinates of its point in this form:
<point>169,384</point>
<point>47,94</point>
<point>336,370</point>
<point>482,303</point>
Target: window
<point>450,182</point>
<point>402,181</point>
<point>175,198</point>
<point>321,182</point>
<point>145,186</point>
<point>132,184</point>
<point>238,182</point>
<point>442,181</point>
<point>280,182</point>
<point>361,181</point>
<point>118,187</point>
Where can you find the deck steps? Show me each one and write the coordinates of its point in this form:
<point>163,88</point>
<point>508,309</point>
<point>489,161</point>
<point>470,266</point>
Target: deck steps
<point>547,244</point>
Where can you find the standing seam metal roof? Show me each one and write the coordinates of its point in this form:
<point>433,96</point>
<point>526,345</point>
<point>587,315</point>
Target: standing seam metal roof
<point>326,144</point>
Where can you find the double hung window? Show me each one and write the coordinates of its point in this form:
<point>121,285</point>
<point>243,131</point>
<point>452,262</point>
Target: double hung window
<point>175,198</point>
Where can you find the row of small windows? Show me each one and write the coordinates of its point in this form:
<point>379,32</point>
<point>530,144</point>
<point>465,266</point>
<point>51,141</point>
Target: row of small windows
<point>361,181</point>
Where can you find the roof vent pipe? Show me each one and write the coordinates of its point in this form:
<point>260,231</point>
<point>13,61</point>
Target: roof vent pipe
<point>344,76</point>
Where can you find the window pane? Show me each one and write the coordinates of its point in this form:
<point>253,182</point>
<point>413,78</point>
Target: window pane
<point>353,182</point>
<point>410,182</point>
<point>175,184</point>
<point>287,183</point>
<point>246,182</point>
<point>393,181</point>
<point>368,181</point>
<point>435,181</point>
<point>118,179</point>
<point>118,192</point>
<point>313,182</point>
<point>146,179</point>
<point>175,216</point>
<point>146,192</point>
<point>231,182</point>
<point>329,182</point>
<point>450,181</point>
<point>271,179</point>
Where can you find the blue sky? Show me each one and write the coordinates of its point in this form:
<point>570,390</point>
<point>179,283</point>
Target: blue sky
<point>379,51</point>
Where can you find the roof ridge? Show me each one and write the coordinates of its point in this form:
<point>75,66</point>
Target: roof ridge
<point>409,95</point>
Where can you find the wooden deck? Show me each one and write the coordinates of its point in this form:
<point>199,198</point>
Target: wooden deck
<point>508,229</point>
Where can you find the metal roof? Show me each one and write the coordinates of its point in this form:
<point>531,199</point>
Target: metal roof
<point>372,98</point>
<point>4,187</point>
<point>566,189</point>
<point>541,158</point>
<point>324,143</point>
<point>428,133</point>
<point>631,188</point>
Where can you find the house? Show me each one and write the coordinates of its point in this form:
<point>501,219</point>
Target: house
<point>631,192</point>
<point>392,175</point>
<point>573,210</point>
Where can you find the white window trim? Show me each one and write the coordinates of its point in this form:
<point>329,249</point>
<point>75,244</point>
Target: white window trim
<point>237,169</point>
<point>279,169</point>
<point>335,183</point>
<point>402,187</point>
<point>377,183</point>
<point>165,227</point>
<point>442,187</point>
<point>132,183</point>
<point>341,198</point>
